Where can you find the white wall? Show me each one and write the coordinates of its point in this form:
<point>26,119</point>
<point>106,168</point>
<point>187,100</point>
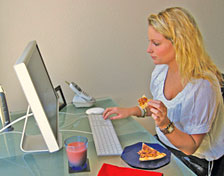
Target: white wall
<point>99,44</point>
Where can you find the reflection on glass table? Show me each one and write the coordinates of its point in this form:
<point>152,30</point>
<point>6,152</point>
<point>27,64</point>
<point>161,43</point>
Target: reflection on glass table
<point>74,122</point>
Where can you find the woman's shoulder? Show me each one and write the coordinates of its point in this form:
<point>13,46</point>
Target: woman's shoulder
<point>206,84</point>
<point>206,89</point>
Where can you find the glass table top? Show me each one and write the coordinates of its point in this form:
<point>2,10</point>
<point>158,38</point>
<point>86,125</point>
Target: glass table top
<point>73,121</point>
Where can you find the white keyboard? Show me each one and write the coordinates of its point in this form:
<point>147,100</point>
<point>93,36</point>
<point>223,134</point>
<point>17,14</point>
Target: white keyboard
<point>104,135</point>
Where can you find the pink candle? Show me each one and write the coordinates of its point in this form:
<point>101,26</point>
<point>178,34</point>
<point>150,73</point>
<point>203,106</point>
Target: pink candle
<point>77,153</point>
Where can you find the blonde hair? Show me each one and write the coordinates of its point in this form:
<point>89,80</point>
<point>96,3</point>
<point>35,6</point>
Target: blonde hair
<point>177,25</point>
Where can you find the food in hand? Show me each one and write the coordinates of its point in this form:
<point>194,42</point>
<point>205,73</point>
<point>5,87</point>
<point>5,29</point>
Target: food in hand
<point>143,102</point>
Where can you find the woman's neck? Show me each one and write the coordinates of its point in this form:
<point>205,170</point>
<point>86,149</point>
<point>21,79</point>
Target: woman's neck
<point>173,67</point>
<point>173,70</point>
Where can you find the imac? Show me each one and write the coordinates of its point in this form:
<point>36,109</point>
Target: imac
<point>42,99</point>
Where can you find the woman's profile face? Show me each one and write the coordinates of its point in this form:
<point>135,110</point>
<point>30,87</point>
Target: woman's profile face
<point>160,48</point>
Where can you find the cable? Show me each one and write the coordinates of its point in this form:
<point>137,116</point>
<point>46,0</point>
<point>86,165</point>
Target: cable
<point>210,167</point>
<point>23,117</point>
<point>74,114</point>
<point>12,132</point>
<point>15,121</point>
<point>86,132</point>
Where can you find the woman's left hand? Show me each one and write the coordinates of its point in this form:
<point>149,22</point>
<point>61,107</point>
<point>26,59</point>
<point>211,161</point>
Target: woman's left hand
<point>159,113</point>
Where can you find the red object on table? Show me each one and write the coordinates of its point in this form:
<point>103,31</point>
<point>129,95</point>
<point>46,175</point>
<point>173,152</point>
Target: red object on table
<point>111,170</point>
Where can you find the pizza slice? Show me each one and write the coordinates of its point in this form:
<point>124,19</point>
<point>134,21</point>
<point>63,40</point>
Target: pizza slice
<point>148,153</point>
<point>143,102</point>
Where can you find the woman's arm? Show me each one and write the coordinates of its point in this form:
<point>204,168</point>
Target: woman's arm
<point>120,113</point>
<point>187,143</point>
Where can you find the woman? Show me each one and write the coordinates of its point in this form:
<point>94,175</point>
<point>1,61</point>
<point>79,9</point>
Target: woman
<point>187,104</point>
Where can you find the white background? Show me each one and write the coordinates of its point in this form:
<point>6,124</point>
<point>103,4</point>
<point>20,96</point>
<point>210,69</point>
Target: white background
<point>99,44</point>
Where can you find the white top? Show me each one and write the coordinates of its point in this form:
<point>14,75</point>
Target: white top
<point>197,109</point>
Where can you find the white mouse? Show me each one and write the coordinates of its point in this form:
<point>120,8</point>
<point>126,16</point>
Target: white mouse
<point>96,110</point>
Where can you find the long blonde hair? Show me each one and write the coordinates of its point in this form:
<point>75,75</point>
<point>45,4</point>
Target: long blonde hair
<point>177,25</point>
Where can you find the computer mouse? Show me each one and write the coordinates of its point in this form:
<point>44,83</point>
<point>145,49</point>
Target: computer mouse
<point>96,110</point>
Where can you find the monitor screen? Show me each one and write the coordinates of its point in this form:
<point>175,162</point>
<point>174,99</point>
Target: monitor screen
<point>40,94</point>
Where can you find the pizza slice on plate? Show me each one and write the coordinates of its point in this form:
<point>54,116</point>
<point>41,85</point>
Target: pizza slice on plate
<point>143,102</point>
<point>148,153</point>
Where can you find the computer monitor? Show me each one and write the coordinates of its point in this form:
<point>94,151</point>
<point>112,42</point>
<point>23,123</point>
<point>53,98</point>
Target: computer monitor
<point>42,99</point>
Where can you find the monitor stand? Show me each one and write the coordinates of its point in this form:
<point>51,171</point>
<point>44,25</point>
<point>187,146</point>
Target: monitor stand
<point>34,143</point>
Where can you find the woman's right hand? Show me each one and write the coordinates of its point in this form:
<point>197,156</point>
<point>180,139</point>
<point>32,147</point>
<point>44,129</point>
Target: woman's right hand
<point>119,113</point>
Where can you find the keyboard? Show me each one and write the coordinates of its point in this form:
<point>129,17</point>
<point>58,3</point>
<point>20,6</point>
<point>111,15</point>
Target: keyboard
<point>104,135</point>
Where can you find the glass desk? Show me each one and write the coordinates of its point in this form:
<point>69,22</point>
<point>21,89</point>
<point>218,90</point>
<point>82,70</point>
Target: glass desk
<point>73,121</point>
